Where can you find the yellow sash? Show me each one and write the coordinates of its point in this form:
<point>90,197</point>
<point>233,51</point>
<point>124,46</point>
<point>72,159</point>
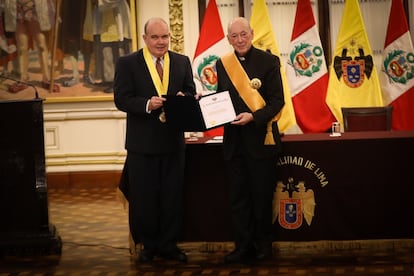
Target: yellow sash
<point>250,96</point>
<point>160,85</point>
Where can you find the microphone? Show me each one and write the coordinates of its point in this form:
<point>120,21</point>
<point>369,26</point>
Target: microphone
<point>22,83</point>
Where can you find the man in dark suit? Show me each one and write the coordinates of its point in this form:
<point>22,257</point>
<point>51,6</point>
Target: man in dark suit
<point>153,174</point>
<point>251,143</point>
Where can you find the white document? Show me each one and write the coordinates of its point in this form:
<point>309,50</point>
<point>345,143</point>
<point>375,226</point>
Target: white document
<point>217,109</point>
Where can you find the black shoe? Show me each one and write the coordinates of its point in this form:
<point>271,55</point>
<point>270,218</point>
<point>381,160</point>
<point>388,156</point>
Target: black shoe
<point>145,256</point>
<point>175,254</point>
<point>238,255</point>
<point>263,251</point>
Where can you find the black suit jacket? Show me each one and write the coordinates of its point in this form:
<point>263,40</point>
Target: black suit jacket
<point>133,87</point>
<point>250,138</point>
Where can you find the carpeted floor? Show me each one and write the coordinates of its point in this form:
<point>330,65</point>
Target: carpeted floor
<point>93,226</point>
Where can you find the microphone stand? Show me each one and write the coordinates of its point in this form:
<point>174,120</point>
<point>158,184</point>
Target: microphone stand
<point>21,82</point>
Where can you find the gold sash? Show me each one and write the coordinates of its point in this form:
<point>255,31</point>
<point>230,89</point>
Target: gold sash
<point>160,86</point>
<point>250,96</point>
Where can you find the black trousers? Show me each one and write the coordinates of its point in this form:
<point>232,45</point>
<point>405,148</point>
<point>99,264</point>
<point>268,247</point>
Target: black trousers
<point>155,188</point>
<point>251,194</point>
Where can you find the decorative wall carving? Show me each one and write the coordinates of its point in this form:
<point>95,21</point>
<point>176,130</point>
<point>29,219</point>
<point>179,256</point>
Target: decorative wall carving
<point>176,25</point>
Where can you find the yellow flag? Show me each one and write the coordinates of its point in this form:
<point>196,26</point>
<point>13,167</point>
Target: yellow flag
<point>265,40</point>
<point>134,24</point>
<point>353,78</point>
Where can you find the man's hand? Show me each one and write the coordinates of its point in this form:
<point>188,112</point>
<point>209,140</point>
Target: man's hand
<point>198,96</point>
<point>156,102</point>
<point>242,119</point>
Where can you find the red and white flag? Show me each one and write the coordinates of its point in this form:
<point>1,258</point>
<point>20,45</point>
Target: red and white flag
<point>211,45</point>
<point>307,73</point>
<point>397,74</point>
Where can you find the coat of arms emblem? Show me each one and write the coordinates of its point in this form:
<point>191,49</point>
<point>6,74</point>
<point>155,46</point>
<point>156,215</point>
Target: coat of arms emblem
<point>306,59</point>
<point>293,203</point>
<point>207,73</point>
<point>398,65</point>
<point>354,69</point>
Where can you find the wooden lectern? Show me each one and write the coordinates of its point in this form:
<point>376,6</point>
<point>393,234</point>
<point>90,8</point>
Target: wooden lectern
<point>24,216</point>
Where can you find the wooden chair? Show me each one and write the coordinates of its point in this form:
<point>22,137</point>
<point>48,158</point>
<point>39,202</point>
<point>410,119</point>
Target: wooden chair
<point>367,118</point>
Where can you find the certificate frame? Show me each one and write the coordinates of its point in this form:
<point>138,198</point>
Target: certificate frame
<point>189,114</point>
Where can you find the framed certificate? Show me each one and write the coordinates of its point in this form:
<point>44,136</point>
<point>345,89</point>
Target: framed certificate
<point>188,114</point>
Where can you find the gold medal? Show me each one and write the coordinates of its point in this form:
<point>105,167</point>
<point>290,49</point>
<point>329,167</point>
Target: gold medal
<point>162,118</point>
<point>255,83</point>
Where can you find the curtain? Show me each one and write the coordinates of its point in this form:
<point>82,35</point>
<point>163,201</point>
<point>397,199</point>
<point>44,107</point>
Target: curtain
<point>282,12</point>
<point>282,16</point>
<point>228,10</point>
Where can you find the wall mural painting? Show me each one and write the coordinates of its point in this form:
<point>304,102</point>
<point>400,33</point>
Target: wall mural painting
<point>82,39</point>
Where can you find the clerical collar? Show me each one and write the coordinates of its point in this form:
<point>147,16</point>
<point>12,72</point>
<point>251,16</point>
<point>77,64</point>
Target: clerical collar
<point>245,56</point>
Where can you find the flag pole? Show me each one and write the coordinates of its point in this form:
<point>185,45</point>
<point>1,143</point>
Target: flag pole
<point>134,24</point>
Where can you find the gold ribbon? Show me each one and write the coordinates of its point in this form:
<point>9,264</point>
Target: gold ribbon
<point>250,96</point>
<point>160,86</point>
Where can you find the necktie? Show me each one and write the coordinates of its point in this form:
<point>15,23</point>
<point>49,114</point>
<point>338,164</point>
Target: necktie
<point>158,66</point>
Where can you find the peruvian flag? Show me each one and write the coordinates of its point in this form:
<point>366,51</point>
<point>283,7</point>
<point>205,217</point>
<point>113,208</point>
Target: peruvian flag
<point>211,45</point>
<point>397,74</point>
<point>307,73</point>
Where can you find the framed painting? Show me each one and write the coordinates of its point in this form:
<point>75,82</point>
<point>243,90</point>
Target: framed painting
<point>62,50</point>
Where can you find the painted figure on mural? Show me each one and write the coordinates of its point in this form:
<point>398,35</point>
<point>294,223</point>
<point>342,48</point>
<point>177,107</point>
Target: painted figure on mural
<point>70,44</point>
<point>107,27</point>
<point>30,20</point>
<point>7,47</point>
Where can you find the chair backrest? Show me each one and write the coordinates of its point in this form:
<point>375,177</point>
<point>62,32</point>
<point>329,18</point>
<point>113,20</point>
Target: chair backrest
<point>367,118</point>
